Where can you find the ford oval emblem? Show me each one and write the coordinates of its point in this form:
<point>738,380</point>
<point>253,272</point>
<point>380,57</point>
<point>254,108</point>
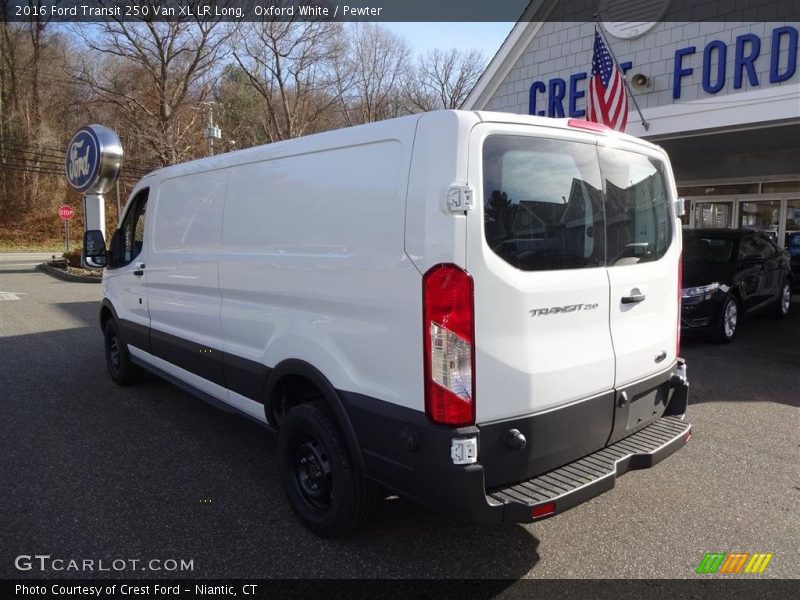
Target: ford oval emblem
<point>83,159</point>
<point>94,158</point>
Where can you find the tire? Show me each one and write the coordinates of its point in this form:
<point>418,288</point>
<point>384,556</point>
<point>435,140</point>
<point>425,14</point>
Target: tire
<point>784,301</point>
<point>728,323</point>
<point>118,361</point>
<point>326,492</point>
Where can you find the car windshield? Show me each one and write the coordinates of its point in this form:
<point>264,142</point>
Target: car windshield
<point>708,249</point>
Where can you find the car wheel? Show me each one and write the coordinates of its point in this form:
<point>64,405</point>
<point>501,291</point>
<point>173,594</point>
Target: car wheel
<point>729,321</point>
<point>784,301</point>
<point>326,492</point>
<point>120,367</point>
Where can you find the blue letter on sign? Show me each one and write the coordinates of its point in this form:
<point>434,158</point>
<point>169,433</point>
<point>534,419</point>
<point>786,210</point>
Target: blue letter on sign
<point>742,62</point>
<point>722,52</point>
<point>536,86</point>
<point>555,97</point>
<point>791,65</point>
<point>680,72</point>
<point>574,94</point>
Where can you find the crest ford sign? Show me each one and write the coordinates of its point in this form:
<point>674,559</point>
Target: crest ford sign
<point>94,157</point>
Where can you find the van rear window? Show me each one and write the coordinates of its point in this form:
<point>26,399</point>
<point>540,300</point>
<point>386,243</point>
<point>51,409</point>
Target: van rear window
<point>543,205</point>
<point>554,204</point>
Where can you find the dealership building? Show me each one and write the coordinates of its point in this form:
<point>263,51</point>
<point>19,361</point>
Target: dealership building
<point>723,98</point>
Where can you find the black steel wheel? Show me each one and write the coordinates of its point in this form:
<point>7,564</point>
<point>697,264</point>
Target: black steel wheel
<point>118,361</point>
<point>324,489</point>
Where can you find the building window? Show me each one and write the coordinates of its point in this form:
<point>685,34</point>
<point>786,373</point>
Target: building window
<point>712,215</point>
<point>761,215</point>
<point>778,187</point>
<point>719,190</point>
<point>792,241</point>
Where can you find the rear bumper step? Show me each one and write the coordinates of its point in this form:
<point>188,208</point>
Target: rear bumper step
<point>561,489</point>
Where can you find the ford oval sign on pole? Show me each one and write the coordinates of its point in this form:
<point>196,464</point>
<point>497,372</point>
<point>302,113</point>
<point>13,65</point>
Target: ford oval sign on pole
<point>94,158</point>
<point>93,161</point>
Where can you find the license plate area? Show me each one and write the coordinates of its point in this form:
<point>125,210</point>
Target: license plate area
<point>646,408</point>
<point>639,405</point>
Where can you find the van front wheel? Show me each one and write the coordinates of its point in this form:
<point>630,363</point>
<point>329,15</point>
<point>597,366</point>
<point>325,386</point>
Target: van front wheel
<point>120,367</point>
<point>326,492</point>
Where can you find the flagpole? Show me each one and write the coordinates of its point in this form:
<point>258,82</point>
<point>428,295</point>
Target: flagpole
<point>645,124</point>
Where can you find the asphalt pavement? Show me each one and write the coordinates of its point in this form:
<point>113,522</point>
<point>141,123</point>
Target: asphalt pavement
<point>90,470</point>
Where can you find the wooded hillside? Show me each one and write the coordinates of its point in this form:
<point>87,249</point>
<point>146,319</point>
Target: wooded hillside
<point>155,83</point>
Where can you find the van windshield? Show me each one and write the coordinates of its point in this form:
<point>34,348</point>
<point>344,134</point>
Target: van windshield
<point>554,204</point>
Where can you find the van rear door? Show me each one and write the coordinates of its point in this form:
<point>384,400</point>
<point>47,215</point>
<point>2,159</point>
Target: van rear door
<point>643,248</point>
<point>536,251</point>
<point>643,254</point>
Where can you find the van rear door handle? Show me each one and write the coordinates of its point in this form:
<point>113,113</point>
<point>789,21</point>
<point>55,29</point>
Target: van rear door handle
<point>633,299</point>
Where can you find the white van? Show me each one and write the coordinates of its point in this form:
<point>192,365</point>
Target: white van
<point>477,311</point>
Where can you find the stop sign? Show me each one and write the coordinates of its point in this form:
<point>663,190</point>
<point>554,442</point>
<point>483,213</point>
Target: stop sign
<point>66,212</point>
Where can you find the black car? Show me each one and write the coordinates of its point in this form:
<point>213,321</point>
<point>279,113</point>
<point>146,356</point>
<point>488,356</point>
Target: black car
<point>728,273</point>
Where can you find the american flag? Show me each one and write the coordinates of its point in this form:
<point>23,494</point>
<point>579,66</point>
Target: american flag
<point>607,101</point>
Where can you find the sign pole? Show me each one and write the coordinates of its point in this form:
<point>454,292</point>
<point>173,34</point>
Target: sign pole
<point>66,236</point>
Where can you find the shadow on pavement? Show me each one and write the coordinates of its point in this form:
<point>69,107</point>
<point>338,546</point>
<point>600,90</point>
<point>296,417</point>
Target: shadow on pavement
<point>148,471</point>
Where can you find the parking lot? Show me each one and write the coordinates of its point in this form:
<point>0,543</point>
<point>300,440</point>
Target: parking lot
<point>91,470</point>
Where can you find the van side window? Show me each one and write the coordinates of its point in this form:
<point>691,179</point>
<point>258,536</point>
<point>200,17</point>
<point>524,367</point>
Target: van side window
<point>638,221</point>
<point>543,206</point>
<point>133,228</point>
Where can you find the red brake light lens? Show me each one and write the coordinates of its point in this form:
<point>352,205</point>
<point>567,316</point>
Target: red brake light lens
<point>449,342</point>
<point>588,125</point>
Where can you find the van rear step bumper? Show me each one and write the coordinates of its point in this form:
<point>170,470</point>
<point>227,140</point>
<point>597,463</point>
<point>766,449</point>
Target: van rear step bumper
<point>561,489</point>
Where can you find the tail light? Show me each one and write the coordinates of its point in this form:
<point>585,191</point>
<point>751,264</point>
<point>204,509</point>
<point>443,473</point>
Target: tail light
<point>449,339</point>
<point>680,289</point>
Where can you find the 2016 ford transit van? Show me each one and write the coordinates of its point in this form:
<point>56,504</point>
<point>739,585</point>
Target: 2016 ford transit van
<point>477,311</point>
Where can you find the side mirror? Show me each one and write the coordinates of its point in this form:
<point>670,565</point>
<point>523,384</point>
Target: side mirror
<point>680,207</point>
<point>94,249</point>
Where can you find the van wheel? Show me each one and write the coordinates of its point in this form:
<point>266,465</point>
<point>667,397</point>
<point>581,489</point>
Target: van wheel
<point>784,302</point>
<point>729,321</point>
<point>326,492</point>
<point>120,367</point>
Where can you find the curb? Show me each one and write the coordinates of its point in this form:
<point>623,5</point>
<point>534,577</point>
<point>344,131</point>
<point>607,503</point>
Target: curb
<point>67,276</point>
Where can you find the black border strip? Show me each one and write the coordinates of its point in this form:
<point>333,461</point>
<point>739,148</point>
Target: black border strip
<point>700,586</point>
<point>741,11</point>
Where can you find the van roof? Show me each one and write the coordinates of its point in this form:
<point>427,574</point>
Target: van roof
<point>376,131</point>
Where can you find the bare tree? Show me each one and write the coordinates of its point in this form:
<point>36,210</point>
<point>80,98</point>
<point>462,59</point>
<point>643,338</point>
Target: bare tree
<point>370,74</point>
<point>155,73</point>
<point>290,65</point>
<point>27,50</point>
<point>444,79</point>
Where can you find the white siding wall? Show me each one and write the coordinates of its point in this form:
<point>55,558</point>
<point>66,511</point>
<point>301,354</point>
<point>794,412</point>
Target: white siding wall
<point>560,49</point>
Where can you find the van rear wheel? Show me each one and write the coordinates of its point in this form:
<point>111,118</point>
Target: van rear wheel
<point>326,492</point>
<point>118,361</point>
